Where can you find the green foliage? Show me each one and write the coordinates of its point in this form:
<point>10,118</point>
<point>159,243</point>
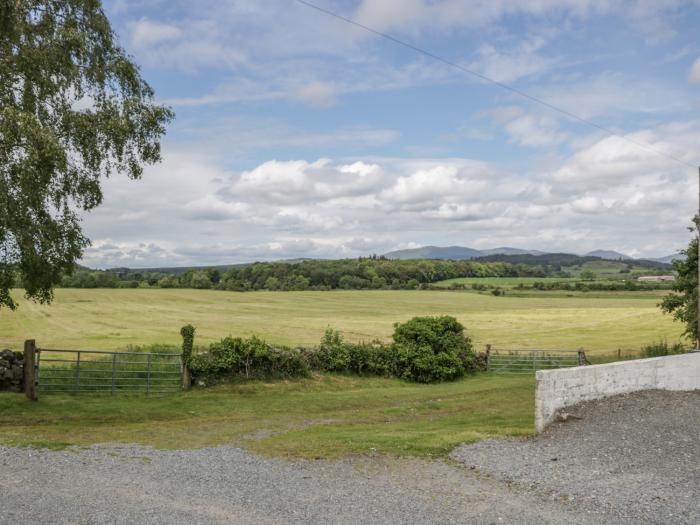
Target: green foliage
<point>56,56</point>
<point>441,334</point>
<point>423,365</point>
<point>334,354</point>
<point>683,303</point>
<point>588,275</point>
<point>248,358</point>
<point>425,349</point>
<point>187,333</point>
<point>662,348</point>
<point>430,349</point>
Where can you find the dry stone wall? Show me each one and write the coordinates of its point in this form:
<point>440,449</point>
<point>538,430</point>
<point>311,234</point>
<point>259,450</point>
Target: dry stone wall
<point>11,370</point>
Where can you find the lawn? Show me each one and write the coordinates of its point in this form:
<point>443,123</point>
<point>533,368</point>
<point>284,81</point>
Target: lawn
<point>116,318</point>
<point>323,416</point>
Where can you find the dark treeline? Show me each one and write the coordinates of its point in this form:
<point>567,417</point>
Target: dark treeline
<point>348,274</point>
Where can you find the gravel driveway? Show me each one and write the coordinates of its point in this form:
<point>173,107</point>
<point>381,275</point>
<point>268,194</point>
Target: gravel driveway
<point>632,459</point>
<point>129,484</point>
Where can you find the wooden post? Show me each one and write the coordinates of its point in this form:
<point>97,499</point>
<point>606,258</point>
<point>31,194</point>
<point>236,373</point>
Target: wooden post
<point>186,376</point>
<point>30,369</point>
<point>488,356</point>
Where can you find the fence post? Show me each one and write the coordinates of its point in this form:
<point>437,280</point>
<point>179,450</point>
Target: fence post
<point>187,333</point>
<point>114,372</point>
<point>488,356</point>
<point>30,369</point>
<point>77,374</point>
<point>186,376</point>
<point>148,376</point>
<point>581,358</point>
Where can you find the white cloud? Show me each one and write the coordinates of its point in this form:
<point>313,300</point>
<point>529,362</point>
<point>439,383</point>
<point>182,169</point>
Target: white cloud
<point>338,208</point>
<point>413,15</point>
<point>145,33</point>
<point>694,75</point>
<point>509,65</point>
<point>535,131</point>
<point>610,93</point>
<point>317,94</point>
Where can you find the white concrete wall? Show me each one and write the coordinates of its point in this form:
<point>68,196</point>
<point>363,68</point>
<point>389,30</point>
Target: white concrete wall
<point>563,387</point>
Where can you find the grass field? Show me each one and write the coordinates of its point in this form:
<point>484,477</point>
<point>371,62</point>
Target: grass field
<point>324,416</point>
<point>116,318</point>
<point>505,282</point>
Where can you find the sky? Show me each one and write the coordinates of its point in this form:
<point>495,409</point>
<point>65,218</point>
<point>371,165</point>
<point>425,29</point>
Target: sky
<point>300,135</point>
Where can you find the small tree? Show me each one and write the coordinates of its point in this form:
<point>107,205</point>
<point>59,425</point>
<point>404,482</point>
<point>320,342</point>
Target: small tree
<point>588,275</point>
<point>683,302</point>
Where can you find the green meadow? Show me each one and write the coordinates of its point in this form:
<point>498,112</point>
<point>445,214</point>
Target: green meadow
<point>599,323</point>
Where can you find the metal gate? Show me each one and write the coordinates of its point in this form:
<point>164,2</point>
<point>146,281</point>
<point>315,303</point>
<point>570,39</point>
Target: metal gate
<point>94,371</point>
<point>529,361</point>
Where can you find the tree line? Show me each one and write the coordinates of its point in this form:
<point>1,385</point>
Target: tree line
<point>348,274</point>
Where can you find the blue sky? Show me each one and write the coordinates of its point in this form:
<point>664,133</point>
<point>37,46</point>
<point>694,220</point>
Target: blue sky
<point>300,135</point>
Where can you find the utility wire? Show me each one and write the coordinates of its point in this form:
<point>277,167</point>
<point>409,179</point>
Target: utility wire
<point>503,86</point>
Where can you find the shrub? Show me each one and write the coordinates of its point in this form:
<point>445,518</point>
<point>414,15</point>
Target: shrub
<point>248,358</point>
<point>425,349</point>
<point>662,348</point>
<point>422,364</point>
<point>432,349</point>
<point>333,353</point>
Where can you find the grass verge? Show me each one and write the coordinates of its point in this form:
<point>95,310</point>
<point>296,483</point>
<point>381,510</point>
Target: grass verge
<point>326,416</point>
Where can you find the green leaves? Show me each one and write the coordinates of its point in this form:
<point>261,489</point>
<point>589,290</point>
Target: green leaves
<point>56,57</point>
<point>683,304</point>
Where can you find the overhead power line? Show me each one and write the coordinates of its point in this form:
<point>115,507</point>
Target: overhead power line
<point>501,85</point>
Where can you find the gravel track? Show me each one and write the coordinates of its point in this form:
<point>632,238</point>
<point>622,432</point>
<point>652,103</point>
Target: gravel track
<point>130,484</point>
<point>631,459</point>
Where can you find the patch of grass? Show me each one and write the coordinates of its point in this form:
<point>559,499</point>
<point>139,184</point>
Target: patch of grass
<point>114,319</point>
<point>325,416</point>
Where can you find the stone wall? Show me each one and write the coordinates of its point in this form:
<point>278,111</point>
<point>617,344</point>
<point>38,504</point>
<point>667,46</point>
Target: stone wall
<point>11,370</point>
<point>557,389</point>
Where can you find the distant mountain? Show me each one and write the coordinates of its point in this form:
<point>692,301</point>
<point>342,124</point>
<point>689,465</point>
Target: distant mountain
<point>609,255</point>
<point>510,251</point>
<point>435,252</point>
<point>461,253</point>
<point>668,259</point>
<point>458,253</point>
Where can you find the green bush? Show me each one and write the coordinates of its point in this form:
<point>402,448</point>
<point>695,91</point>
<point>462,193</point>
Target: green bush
<point>248,358</point>
<point>430,349</point>
<point>425,349</point>
<point>662,348</point>
<point>333,353</point>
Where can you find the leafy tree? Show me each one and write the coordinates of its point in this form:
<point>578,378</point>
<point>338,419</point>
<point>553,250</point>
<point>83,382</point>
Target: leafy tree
<point>73,107</point>
<point>200,280</point>
<point>683,304</point>
<point>588,275</point>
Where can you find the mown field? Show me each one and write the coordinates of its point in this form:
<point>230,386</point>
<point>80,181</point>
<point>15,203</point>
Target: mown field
<point>325,416</point>
<point>115,318</point>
